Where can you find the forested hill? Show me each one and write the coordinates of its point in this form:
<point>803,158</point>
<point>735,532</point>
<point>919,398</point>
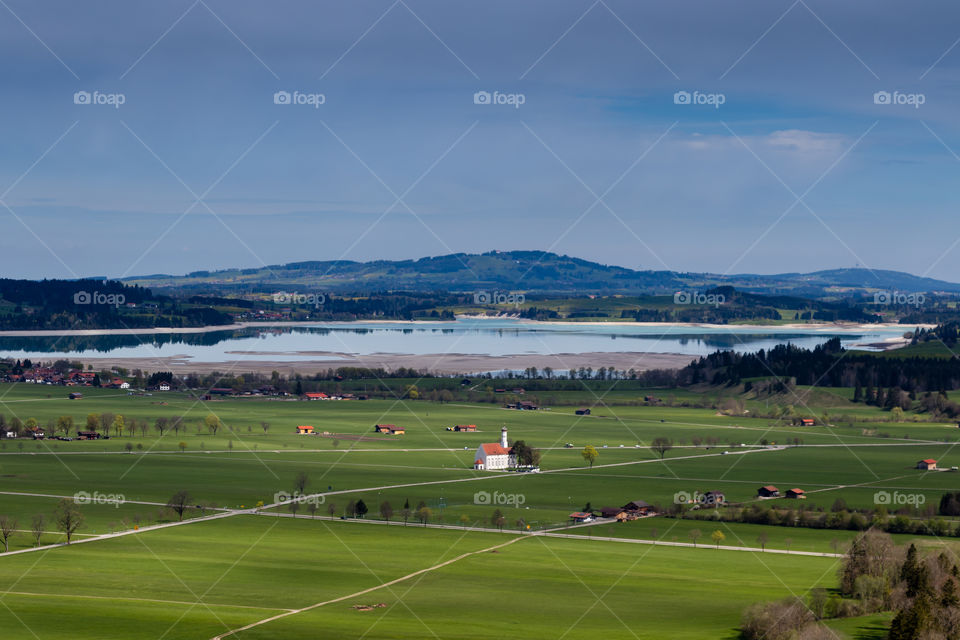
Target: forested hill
<point>530,271</point>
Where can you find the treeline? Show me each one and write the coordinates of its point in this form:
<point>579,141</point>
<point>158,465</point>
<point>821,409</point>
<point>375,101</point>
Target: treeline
<point>876,575</point>
<point>95,304</point>
<point>827,365</point>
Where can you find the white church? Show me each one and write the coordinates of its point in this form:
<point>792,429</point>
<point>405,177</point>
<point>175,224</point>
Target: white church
<point>495,455</point>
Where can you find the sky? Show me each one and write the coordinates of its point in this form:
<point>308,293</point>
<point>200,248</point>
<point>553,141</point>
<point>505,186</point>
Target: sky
<point>759,136</point>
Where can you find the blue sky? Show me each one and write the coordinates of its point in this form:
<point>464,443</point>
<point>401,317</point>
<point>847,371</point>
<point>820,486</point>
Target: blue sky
<point>798,169</point>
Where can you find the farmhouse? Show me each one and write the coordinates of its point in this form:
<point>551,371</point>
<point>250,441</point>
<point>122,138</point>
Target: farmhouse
<point>523,406</point>
<point>465,427</point>
<point>638,508</point>
<point>582,412</point>
<point>807,422</point>
<point>615,512</point>
<point>8,434</point>
<point>315,396</point>
<point>768,491</point>
<point>712,498</point>
<point>581,516</point>
<point>164,386</point>
<point>797,494</point>
<point>927,465</point>
<point>76,396</point>
<point>88,435</point>
<point>389,429</point>
<point>305,430</point>
<point>495,455</point>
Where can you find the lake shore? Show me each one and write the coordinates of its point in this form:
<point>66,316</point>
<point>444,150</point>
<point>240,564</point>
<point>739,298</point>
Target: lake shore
<point>438,363</point>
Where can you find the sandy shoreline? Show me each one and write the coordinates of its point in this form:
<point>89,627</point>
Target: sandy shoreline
<point>840,327</point>
<point>440,363</point>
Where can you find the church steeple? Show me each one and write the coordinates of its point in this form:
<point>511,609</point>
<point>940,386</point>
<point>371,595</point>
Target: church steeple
<point>503,438</point>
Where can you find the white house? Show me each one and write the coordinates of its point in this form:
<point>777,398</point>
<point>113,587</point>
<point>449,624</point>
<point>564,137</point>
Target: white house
<point>164,386</point>
<point>495,455</point>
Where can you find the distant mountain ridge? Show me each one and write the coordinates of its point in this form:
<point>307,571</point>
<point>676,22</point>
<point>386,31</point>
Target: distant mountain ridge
<point>531,271</point>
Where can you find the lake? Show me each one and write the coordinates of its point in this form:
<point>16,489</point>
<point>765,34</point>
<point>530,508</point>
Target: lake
<point>491,337</point>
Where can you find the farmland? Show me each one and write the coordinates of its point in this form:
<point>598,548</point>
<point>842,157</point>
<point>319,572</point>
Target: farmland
<point>245,557</point>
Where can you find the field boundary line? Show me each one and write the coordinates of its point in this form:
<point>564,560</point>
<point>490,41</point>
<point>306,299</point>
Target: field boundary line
<point>366,591</point>
<point>158,601</point>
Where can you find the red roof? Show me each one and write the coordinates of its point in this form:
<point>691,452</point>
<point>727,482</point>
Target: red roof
<point>795,490</point>
<point>478,461</point>
<point>494,449</point>
<point>315,395</point>
<point>929,461</point>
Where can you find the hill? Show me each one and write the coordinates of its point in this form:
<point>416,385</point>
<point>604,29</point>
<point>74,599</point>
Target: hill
<point>531,271</point>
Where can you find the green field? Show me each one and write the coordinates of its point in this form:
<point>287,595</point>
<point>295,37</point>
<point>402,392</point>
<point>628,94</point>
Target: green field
<point>247,567</point>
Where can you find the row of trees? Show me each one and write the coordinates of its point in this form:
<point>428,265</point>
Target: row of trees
<point>67,518</point>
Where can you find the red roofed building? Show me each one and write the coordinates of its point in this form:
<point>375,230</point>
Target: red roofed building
<point>495,455</point>
<point>927,465</point>
<point>796,493</point>
<point>315,396</point>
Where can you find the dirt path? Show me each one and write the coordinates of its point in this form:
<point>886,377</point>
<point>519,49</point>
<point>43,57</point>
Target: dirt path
<point>365,591</point>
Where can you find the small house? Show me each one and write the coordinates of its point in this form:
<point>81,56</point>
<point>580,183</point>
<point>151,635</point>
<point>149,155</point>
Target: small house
<point>465,427</point>
<point>581,516</point>
<point>927,465</point>
<point>305,430</point>
<point>88,435</point>
<point>221,391</point>
<point>315,396</point>
<point>613,512</point>
<point>638,507</point>
<point>75,396</point>
<point>389,429</point>
<point>796,494</point>
<point>164,386</point>
<point>582,412</point>
<point>8,434</point>
<point>768,491</point>
<point>712,498</point>
<point>807,422</point>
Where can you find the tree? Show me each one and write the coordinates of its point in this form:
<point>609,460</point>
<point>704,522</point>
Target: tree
<point>763,538</point>
<point>818,602</point>
<point>118,425</point>
<point>65,424</point>
<point>68,517</point>
<point>590,454</point>
<point>182,445</point>
<point>294,505</point>
<point>424,514</point>
<point>661,446</point>
<point>300,483</point>
<point>106,422</point>
<point>265,426</point>
<point>128,447</point>
<point>717,537</point>
<point>351,510</point>
<point>361,508</point>
<point>312,507</point>
<point>497,519</point>
<point>694,534</point>
<point>464,520</point>
<point>386,511</point>
<point>331,509</point>
<point>179,502</point>
<point>161,425</point>
<point>213,423</point>
<point>37,526</point>
<point>405,512</point>
<point>93,421</point>
<point>8,527</point>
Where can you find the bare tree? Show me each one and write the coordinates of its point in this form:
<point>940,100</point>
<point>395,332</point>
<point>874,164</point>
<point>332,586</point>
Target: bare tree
<point>661,445</point>
<point>8,527</point>
<point>331,509</point>
<point>161,425</point>
<point>300,483</point>
<point>106,423</point>
<point>68,516</point>
<point>179,502</point>
<point>37,526</point>
<point>265,426</point>
<point>386,510</point>
<point>694,534</point>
